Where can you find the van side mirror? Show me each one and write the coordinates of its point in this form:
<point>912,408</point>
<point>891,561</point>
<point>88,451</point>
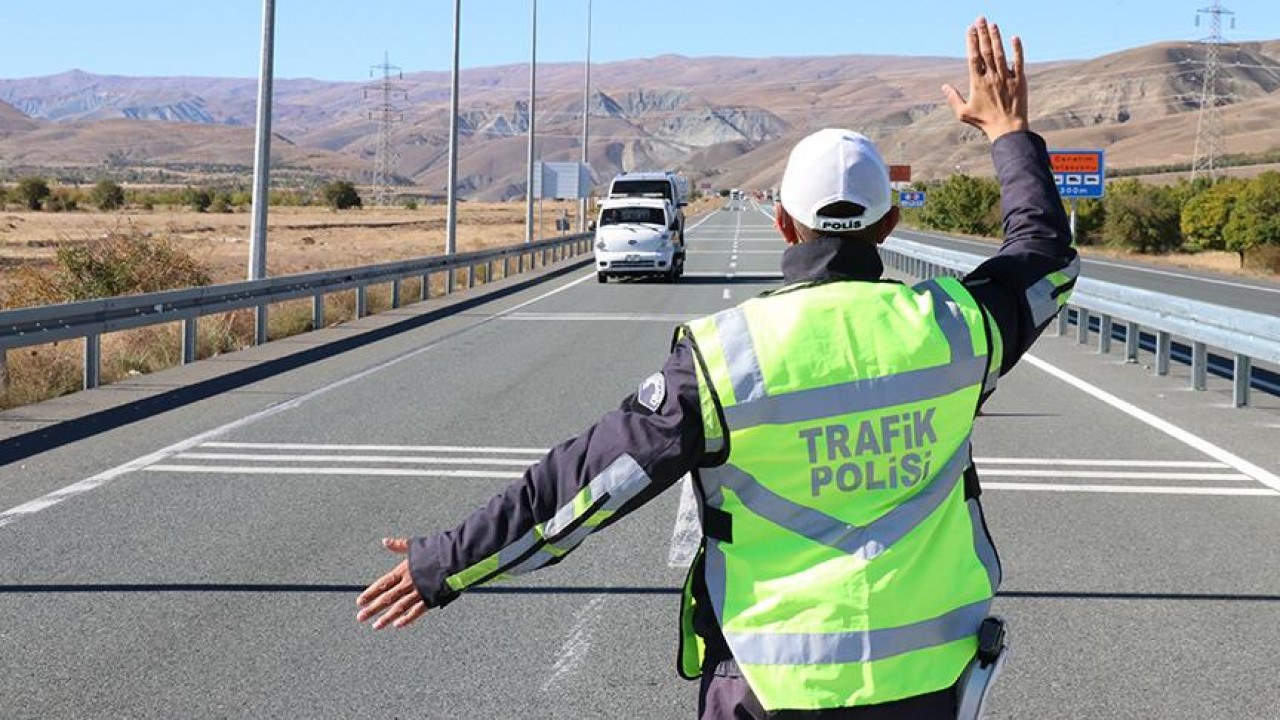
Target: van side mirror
<point>683,204</point>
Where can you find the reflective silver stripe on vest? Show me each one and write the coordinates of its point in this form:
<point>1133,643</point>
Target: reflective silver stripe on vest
<point>866,542</point>
<point>857,396</point>
<point>1040,296</point>
<point>858,645</point>
<point>623,479</point>
<point>982,545</point>
<point>740,354</point>
<point>949,318</point>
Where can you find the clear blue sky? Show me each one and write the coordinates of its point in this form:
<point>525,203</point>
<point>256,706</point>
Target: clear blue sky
<point>339,39</point>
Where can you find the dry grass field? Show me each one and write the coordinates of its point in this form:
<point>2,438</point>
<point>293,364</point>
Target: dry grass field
<point>300,239</point>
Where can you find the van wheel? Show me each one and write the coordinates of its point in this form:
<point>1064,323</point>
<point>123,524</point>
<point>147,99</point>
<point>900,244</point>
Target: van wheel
<point>602,278</point>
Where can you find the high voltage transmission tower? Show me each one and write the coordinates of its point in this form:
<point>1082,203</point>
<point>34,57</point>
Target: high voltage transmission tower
<point>388,94</point>
<point>1209,134</point>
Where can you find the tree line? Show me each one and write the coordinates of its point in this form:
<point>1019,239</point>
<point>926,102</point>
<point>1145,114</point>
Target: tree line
<point>1233,215</point>
<point>38,194</point>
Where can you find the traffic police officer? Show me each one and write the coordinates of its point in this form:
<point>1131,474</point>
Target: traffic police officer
<point>845,567</point>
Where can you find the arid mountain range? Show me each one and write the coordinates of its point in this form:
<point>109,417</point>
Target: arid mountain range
<point>724,121</point>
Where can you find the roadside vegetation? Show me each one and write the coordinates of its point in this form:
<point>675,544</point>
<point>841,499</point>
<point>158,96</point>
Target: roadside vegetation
<point>40,194</point>
<point>1232,215</point>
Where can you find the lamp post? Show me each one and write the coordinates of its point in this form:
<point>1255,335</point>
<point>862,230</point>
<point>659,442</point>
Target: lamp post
<point>586,124</point>
<point>451,232</point>
<point>533,131</point>
<point>262,164</point>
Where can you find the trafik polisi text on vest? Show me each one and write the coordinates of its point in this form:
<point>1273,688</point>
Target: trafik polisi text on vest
<point>883,453</point>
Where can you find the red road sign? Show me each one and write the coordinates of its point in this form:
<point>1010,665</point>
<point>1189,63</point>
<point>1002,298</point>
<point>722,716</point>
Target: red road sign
<point>1073,162</point>
<point>900,173</point>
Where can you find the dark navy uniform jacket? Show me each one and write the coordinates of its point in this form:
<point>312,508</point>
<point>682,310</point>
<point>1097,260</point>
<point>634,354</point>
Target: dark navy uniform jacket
<point>661,428</point>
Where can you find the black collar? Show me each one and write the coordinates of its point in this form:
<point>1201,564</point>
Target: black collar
<point>825,258</point>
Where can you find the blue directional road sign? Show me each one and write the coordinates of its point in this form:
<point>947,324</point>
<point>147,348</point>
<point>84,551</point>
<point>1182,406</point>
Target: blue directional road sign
<point>911,199</point>
<point>1079,173</point>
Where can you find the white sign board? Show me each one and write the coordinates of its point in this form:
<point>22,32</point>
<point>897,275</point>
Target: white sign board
<point>561,181</point>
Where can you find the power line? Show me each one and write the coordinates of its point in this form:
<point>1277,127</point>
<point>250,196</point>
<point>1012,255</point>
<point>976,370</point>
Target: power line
<point>388,94</point>
<point>1209,134</point>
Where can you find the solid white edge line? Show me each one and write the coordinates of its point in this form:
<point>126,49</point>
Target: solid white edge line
<point>1103,463</point>
<point>1109,475</point>
<point>340,459</point>
<point>1235,461</point>
<point>29,508</point>
<point>1131,489</point>
<point>353,472</point>
<point>377,448</point>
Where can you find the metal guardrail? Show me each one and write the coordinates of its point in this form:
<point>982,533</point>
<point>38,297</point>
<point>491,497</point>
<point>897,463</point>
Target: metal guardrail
<point>1246,336</point>
<point>91,319</point>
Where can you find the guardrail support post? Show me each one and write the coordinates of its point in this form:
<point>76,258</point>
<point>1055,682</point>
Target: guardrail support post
<point>471,276</point>
<point>506,267</point>
<point>317,311</point>
<point>449,280</point>
<point>92,361</point>
<point>1082,326</point>
<point>395,293</point>
<point>4,369</point>
<point>488,272</point>
<point>1199,366</point>
<point>1064,320</point>
<point>260,325</point>
<point>426,287</point>
<point>189,326</point>
<point>1132,339</point>
<point>1241,379</point>
<point>1164,346</point>
<point>362,301</point>
<point>1104,334</point>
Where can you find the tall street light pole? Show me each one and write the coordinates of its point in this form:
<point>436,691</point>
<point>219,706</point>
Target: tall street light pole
<point>262,164</point>
<point>533,115</point>
<point>586,123</point>
<point>451,235</point>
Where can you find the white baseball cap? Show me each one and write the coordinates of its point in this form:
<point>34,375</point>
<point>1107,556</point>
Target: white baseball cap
<point>833,166</point>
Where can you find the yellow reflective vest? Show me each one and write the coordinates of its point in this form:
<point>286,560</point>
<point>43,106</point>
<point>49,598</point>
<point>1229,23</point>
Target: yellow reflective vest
<point>849,567</point>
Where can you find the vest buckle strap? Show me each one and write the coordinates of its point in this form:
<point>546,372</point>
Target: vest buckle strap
<point>717,524</point>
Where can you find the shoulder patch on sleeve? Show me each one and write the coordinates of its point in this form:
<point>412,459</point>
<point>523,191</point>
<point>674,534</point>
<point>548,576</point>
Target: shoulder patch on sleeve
<point>652,392</point>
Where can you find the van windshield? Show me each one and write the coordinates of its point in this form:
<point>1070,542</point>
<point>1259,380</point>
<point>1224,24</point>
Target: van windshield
<point>623,215</point>
<point>642,188</point>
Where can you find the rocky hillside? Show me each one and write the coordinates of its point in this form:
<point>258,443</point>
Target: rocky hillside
<point>729,121</point>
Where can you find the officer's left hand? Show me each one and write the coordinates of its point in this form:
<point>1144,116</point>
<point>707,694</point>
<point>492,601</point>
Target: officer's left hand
<point>393,592</point>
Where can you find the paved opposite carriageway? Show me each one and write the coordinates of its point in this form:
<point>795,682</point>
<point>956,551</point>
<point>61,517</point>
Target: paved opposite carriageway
<point>205,562</point>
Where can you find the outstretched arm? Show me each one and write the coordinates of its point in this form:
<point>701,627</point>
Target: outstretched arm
<point>1032,276</point>
<point>587,483</point>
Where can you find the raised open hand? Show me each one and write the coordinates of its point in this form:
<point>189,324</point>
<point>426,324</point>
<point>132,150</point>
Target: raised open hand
<point>997,103</point>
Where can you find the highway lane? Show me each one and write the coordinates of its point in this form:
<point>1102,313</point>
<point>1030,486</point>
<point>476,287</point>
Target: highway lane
<point>1253,294</point>
<point>219,580</point>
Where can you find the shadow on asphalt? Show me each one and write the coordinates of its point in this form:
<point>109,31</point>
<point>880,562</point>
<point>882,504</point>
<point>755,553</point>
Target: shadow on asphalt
<point>110,588</point>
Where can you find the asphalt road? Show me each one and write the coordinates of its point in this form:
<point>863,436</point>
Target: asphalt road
<point>1257,295</point>
<point>205,563</point>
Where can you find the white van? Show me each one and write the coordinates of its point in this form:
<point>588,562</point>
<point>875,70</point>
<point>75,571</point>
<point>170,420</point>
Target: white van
<point>638,236</point>
<point>665,185</point>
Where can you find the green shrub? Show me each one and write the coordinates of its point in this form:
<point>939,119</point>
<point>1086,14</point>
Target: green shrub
<point>1140,217</point>
<point>341,195</point>
<point>1255,217</point>
<point>198,199</point>
<point>964,204</point>
<point>32,192</point>
<point>107,195</point>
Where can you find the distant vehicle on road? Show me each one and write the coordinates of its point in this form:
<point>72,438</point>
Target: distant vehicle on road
<point>638,236</point>
<point>667,185</point>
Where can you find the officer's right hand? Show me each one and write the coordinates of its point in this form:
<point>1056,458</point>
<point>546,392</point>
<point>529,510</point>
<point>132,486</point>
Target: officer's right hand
<point>997,103</point>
